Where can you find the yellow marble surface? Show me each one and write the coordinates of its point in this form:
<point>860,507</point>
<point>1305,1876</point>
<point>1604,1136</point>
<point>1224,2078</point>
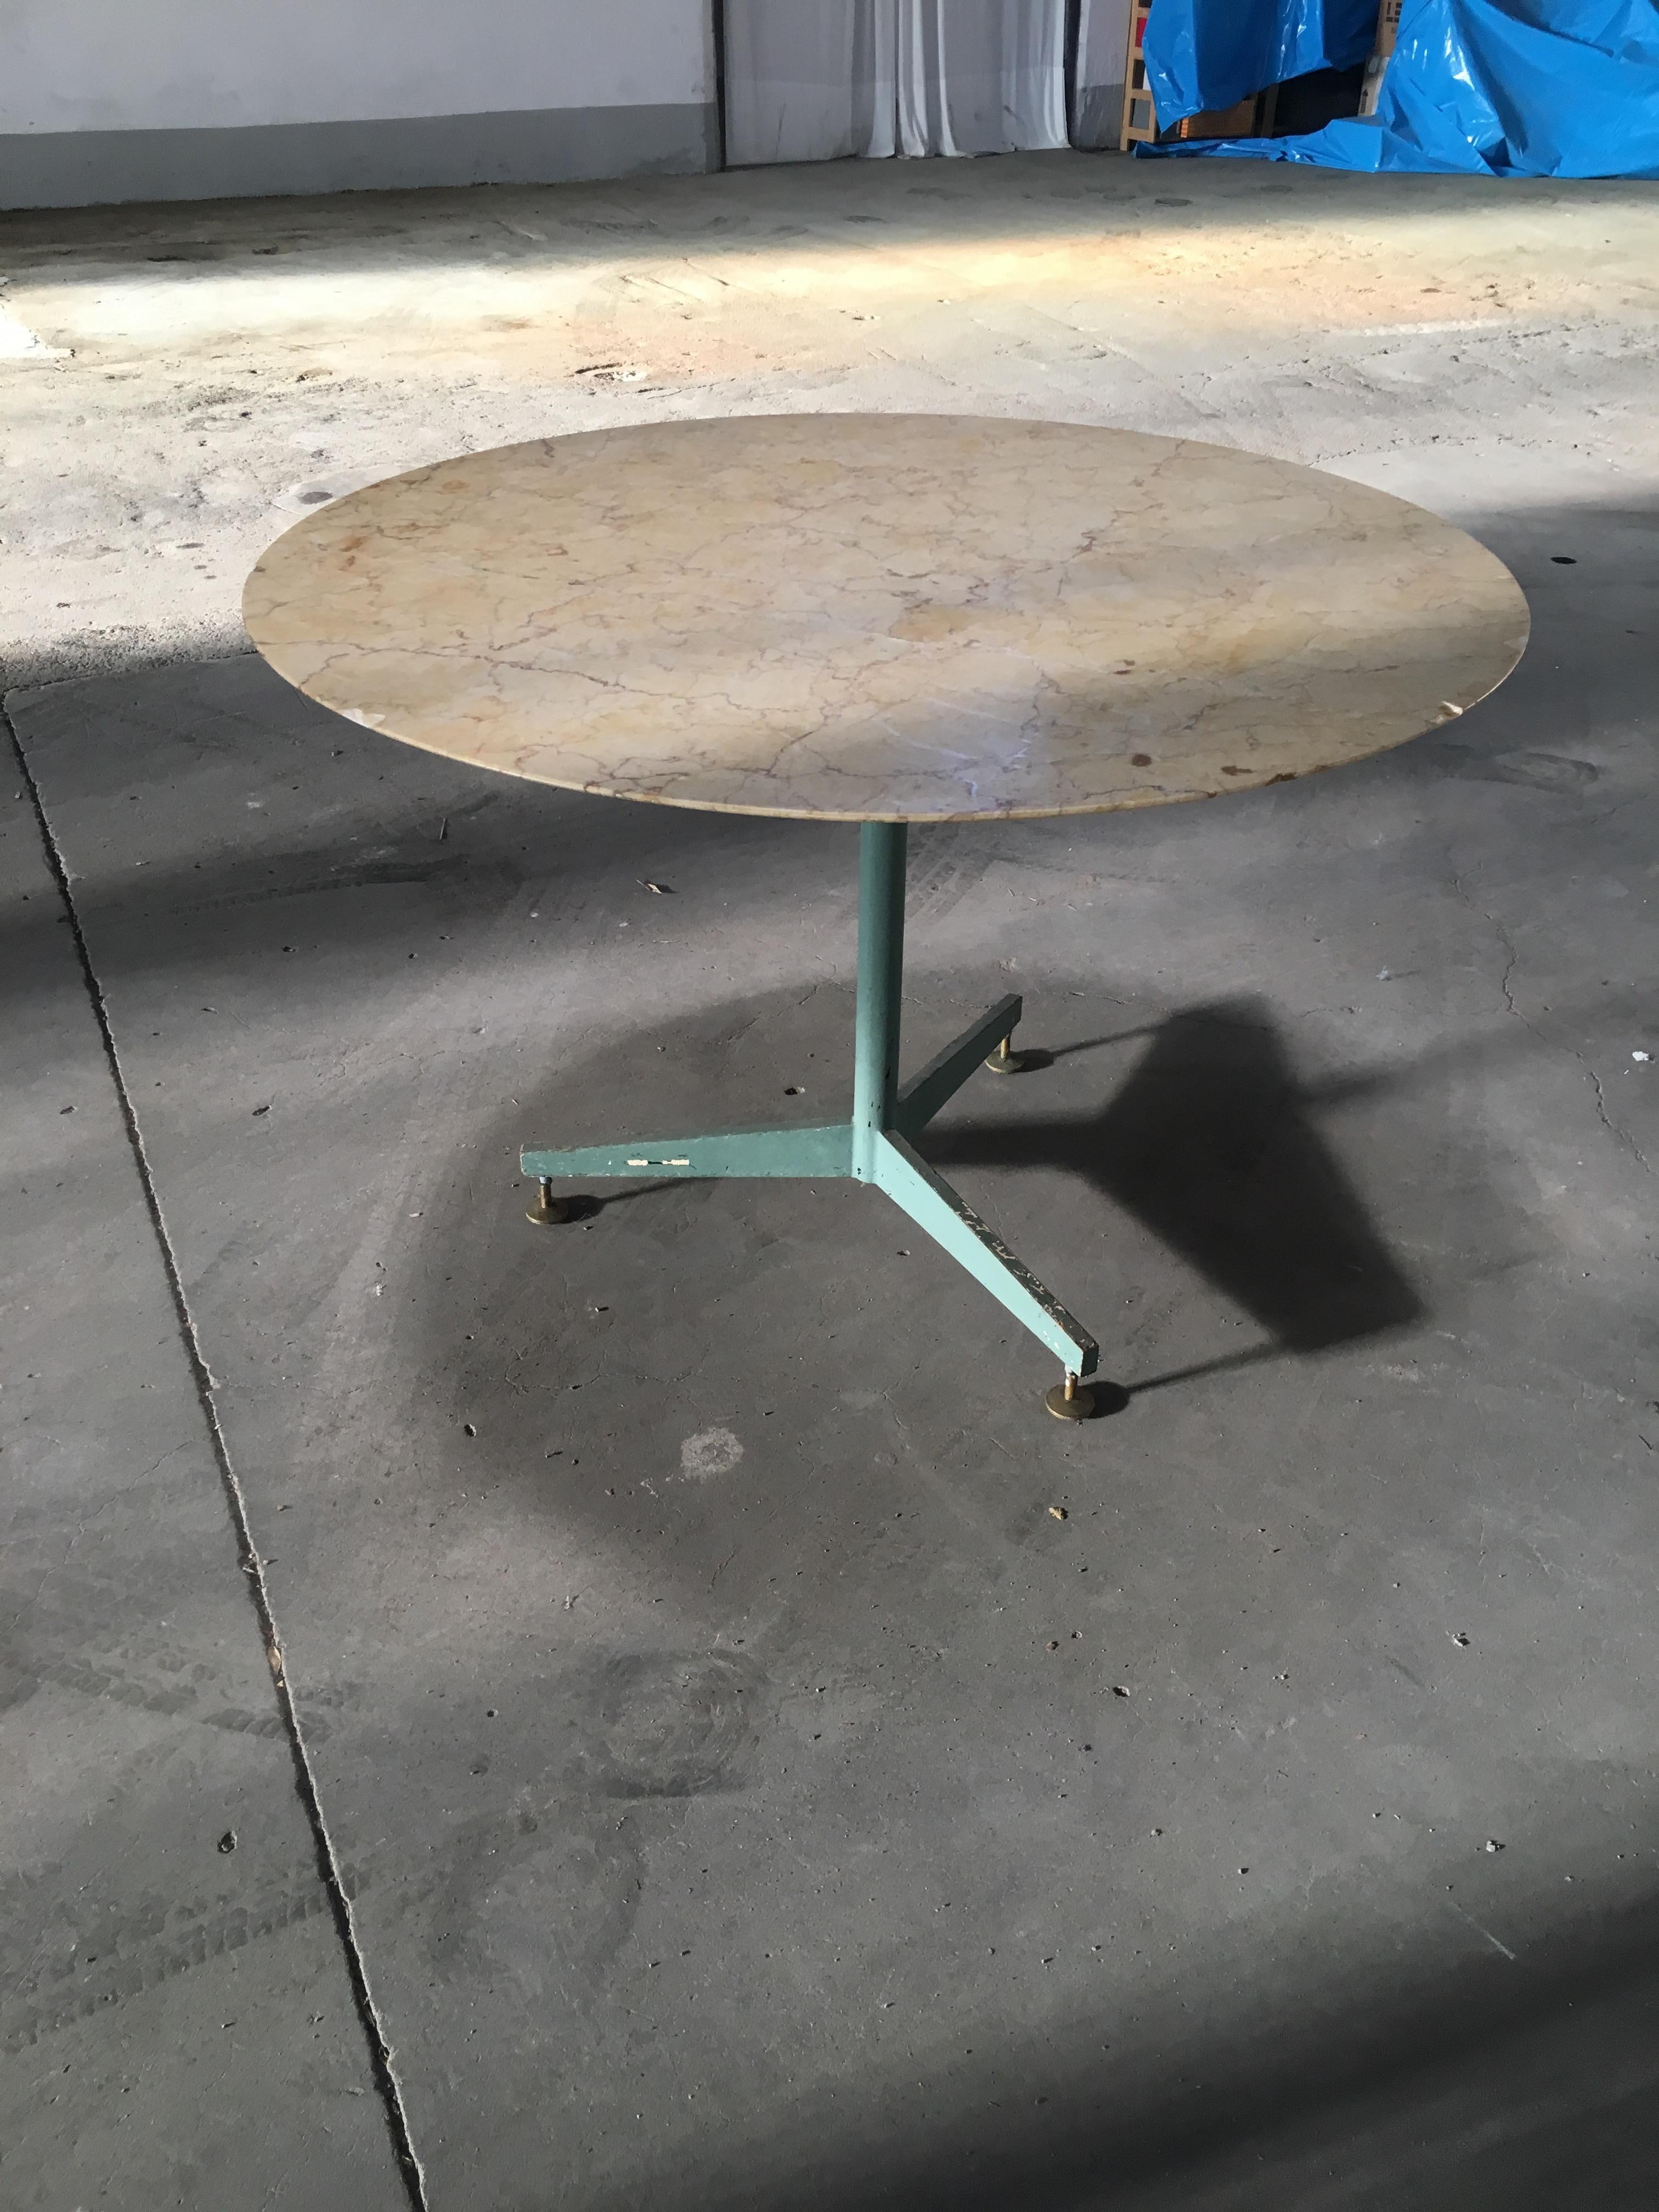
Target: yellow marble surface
<point>886,617</point>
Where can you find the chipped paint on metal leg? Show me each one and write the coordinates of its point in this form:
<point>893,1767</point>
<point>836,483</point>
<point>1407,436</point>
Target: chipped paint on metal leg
<point>951,1223</point>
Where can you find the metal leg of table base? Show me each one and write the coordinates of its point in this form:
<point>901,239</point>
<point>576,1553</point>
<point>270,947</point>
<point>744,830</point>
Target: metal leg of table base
<point>875,1145</point>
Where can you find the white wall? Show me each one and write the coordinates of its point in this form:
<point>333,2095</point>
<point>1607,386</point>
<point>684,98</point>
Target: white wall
<point>187,64</point>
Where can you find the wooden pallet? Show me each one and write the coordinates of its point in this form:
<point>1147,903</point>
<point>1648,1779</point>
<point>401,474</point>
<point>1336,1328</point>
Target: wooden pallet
<point>1139,120</point>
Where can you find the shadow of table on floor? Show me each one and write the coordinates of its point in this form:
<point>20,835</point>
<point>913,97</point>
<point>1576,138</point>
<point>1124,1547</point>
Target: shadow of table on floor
<point>1212,1144</point>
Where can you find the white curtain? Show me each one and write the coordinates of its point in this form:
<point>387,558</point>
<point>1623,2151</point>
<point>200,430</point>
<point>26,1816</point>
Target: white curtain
<point>809,80</point>
<point>816,80</point>
<point>1100,49</point>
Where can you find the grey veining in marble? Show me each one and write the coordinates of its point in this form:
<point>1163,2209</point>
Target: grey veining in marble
<point>886,617</point>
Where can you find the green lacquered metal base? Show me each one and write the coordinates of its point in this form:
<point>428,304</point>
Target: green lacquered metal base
<point>876,1147</point>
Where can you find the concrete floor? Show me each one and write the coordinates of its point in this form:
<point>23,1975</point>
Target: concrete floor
<point>541,1721</point>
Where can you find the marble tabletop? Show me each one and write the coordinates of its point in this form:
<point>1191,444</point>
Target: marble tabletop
<point>886,618</point>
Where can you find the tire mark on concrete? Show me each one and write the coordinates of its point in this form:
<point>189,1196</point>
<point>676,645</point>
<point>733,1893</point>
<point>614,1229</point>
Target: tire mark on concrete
<point>151,1943</point>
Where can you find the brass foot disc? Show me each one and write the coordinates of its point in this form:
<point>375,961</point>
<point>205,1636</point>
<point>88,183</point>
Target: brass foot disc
<point>1009,1063</point>
<point>549,1211</point>
<point>1077,1408</point>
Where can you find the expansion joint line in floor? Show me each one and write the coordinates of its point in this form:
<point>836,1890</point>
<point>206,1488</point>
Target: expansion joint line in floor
<point>328,1864</point>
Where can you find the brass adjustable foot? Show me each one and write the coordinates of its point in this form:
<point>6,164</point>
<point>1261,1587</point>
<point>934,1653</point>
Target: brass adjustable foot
<point>1005,1062</point>
<point>1070,1402</point>
<point>549,1211</point>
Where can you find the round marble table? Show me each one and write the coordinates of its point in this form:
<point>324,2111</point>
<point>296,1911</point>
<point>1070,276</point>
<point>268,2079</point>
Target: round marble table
<point>885,619</point>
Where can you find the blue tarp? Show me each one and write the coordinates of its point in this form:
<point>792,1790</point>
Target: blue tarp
<point>1213,54</point>
<point>1476,88</point>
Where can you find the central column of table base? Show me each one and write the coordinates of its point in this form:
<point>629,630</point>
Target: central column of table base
<point>875,1147</point>
<point>881,987</point>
